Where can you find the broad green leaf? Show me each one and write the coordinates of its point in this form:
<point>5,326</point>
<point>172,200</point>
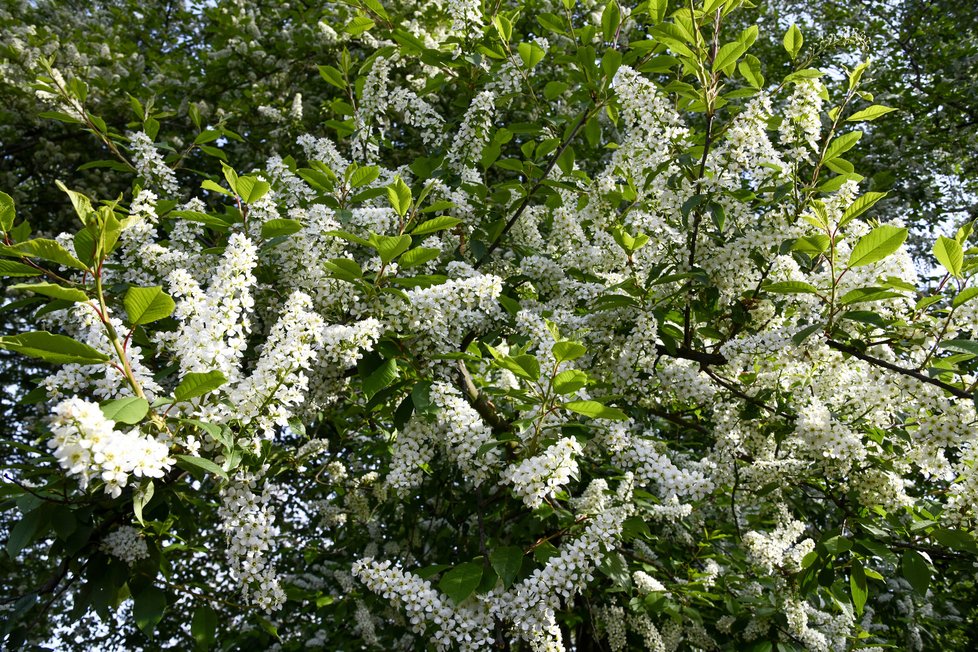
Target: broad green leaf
<point>198,384</point>
<point>58,349</point>
<point>842,144</point>
<point>793,41</point>
<point>81,203</point>
<point>7,212</point>
<point>344,269</point>
<point>359,25</point>
<point>949,253</point>
<point>461,581</point>
<point>24,533</point>
<point>877,245</point>
<point>961,346</point>
<point>185,461</point>
<point>203,627</point>
<point>130,410</point>
<point>44,249</point>
<point>333,76</point>
<point>146,305</point>
<point>278,227</point>
<point>530,53</point>
<point>436,224</point>
<point>857,584</point>
<point>966,294</point>
<point>380,378</point>
<point>364,176</point>
<point>349,237</point>
<point>860,206</point>
<point>916,571</point>
<point>870,113</point>
<point>213,186</point>
<point>728,55</point>
<point>141,498</point>
<point>251,189</point>
<point>569,381</point>
<point>399,195</point>
<point>507,561</point>
<point>596,410</point>
<point>791,287</point>
<point>566,350</point>
<point>389,247</point>
<point>419,256</point>
<point>147,609</point>
<point>11,268</point>
<point>812,244</point>
<point>54,291</point>
<point>750,68</point>
<point>859,295</point>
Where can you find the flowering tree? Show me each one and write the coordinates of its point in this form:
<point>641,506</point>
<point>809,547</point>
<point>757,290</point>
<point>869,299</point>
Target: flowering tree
<point>571,327</point>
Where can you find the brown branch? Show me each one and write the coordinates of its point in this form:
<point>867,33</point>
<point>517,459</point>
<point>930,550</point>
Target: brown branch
<point>856,353</point>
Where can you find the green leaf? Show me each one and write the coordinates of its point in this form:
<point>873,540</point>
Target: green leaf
<point>961,346</point>
<point>596,410</point>
<point>507,561</point>
<point>399,195</point>
<point>24,533</point>
<point>461,581</point>
<point>53,290</point>
<point>860,206</point>
<point>251,189</point>
<point>364,176</point>
<point>213,186</point>
<point>11,268</point>
<point>7,212</point>
<point>566,350</point>
<point>870,113</point>
<point>146,305</point>
<point>333,76</point>
<point>147,609</point>
<point>380,378</point>
<point>750,68</point>
<point>791,287</point>
<point>966,294</point>
<point>278,227</point>
<point>58,349</point>
<point>916,571</point>
<point>419,256</point>
<point>203,627</point>
<point>359,25</point>
<point>141,498</point>
<point>860,295</point>
<point>793,41</point>
<point>842,144</point>
<point>949,253</point>
<point>530,53</point>
<point>877,245</point>
<point>190,462</point>
<point>389,246</point>
<point>728,55</point>
<point>569,381</point>
<point>436,224</point>
<point>44,249</point>
<point>198,384</point>
<point>344,269</point>
<point>81,203</point>
<point>857,584</point>
<point>130,410</point>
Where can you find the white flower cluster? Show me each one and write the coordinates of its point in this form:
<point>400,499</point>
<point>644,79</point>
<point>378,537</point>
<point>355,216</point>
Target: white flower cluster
<point>820,434</point>
<point>471,137</point>
<point>214,324</point>
<point>88,446</point>
<point>539,477</point>
<point>248,524</point>
<point>639,455</point>
<point>780,549</point>
<point>278,384</point>
<point>150,164</point>
<point>456,428</point>
<point>802,124</point>
<point>125,543</point>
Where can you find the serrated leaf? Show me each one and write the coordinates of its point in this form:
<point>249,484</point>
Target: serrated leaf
<point>11,268</point>
<point>530,53</point>
<point>842,144</point>
<point>419,256</point>
<point>567,350</point>
<point>596,410</point>
<point>344,269</point>
<point>460,582</point>
<point>141,498</point>
<point>53,290</point>
<point>507,561</point>
<point>961,346</point>
<point>949,254</point>
<point>359,25</point>
<point>44,249</point>
<point>198,384</point>
<point>213,186</point>
<point>193,461</point>
<point>130,410</point>
<point>966,294</point>
<point>146,305</point>
<point>333,76</point>
<point>389,247</point>
<point>793,41</point>
<point>791,287</point>
<point>436,224</point>
<point>728,55</point>
<point>870,113</point>
<point>251,189</point>
<point>279,227</point>
<point>860,206</point>
<point>380,378</point>
<point>147,609</point>
<point>877,245</point>
<point>569,381</point>
<point>364,176</point>
<point>23,534</point>
<point>750,68</point>
<point>58,349</point>
<point>399,195</point>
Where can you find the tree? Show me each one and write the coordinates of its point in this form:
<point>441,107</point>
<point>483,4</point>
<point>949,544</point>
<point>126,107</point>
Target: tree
<point>570,327</point>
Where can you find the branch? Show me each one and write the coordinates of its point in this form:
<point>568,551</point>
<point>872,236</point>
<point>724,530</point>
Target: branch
<point>856,353</point>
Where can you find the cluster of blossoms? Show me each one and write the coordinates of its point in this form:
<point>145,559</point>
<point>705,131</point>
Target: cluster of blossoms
<point>125,543</point>
<point>88,447</point>
<point>536,478</point>
<point>150,164</point>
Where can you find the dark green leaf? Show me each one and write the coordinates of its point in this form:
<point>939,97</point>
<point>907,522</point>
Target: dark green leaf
<point>461,581</point>
<point>147,609</point>
<point>278,227</point>
<point>58,349</point>
<point>596,410</point>
<point>190,462</point>
<point>198,384</point>
<point>146,305</point>
<point>129,410</point>
<point>54,291</point>
<point>507,562</point>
